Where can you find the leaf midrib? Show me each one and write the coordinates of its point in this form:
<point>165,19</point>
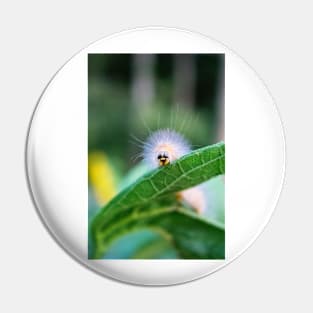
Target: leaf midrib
<point>160,192</point>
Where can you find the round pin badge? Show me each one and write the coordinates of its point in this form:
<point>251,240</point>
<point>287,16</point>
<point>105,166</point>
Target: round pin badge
<point>155,156</point>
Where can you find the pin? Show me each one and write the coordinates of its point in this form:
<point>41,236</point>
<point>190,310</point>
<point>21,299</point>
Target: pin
<point>162,162</point>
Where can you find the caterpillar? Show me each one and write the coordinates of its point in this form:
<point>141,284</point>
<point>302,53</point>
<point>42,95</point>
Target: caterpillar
<point>164,146</point>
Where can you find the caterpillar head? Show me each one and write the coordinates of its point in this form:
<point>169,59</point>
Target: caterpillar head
<point>163,158</point>
<point>163,147</point>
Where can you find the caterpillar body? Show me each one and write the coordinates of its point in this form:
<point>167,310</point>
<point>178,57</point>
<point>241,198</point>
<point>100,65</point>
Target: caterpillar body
<point>165,146</point>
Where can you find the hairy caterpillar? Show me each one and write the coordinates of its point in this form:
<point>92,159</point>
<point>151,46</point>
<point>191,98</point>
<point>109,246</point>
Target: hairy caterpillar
<point>165,146</point>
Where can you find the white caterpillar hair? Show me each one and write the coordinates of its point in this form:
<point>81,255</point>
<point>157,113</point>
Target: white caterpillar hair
<point>165,146</point>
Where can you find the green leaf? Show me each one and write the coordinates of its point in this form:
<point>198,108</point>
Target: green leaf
<point>144,205</point>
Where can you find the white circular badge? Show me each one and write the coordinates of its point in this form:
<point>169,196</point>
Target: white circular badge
<point>155,156</point>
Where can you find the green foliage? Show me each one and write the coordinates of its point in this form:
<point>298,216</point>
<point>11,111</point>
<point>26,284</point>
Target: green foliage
<point>150,203</point>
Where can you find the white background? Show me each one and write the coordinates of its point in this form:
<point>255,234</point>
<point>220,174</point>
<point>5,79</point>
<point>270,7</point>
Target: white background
<point>274,274</point>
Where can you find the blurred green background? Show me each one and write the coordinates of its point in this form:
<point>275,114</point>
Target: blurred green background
<point>132,94</point>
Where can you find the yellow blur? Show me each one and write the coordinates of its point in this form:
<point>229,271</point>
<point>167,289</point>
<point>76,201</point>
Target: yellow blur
<point>101,177</point>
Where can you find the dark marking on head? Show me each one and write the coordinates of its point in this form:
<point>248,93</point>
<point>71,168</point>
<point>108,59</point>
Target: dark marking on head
<point>163,158</point>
